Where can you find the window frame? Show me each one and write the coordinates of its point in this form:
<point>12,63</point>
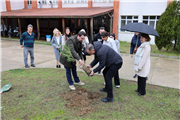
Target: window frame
<point>67,1</point>
<point>28,2</point>
<point>126,20</point>
<point>80,1</point>
<point>54,2</point>
<point>44,2</point>
<point>100,1</point>
<point>149,20</point>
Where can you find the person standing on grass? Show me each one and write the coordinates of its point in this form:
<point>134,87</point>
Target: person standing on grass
<point>85,43</point>
<point>28,38</point>
<point>97,37</point>
<point>57,44</point>
<point>133,45</point>
<point>142,63</point>
<point>111,43</point>
<point>75,45</point>
<point>112,36</point>
<point>106,56</point>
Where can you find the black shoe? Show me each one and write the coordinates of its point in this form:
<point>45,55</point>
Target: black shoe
<point>103,90</point>
<point>140,94</point>
<point>33,65</point>
<point>135,76</point>
<point>26,66</point>
<point>136,90</point>
<point>59,66</point>
<point>107,99</point>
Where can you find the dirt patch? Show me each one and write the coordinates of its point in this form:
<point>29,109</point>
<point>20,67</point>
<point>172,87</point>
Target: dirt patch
<point>80,98</point>
<point>85,110</point>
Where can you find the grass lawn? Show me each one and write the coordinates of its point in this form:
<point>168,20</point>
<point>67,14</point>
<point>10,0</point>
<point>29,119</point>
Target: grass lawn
<point>125,46</point>
<point>36,94</point>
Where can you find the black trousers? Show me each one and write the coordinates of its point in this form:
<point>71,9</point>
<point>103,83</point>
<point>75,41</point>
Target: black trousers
<point>141,85</point>
<point>116,79</point>
<point>109,73</point>
<point>84,57</point>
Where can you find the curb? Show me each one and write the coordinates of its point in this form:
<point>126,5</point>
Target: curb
<point>154,55</point>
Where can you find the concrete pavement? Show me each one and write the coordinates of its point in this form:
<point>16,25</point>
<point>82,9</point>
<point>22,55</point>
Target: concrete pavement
<point>164,72</point>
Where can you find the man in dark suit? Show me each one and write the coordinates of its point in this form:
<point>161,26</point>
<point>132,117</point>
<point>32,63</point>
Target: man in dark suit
<point>106,56</point>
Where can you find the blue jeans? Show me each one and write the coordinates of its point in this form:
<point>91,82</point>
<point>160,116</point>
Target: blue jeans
<point>68,75</point>
<point>26,51</point>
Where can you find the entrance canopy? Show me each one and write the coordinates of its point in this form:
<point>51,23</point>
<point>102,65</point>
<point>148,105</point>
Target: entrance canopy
<point>58,13</point>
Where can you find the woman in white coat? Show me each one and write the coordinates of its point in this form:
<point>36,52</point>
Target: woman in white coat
<point>142,63</point>
<point>111,43</point>
<point>57,44</point>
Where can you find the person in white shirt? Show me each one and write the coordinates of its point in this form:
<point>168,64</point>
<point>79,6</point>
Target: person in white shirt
<point>66,35</point>
<point>85,43</point>
<point>111,43</point>
<point>112,36</point>
<point>57,44</point>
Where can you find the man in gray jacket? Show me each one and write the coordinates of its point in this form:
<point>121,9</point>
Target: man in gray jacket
<point>106,56</point>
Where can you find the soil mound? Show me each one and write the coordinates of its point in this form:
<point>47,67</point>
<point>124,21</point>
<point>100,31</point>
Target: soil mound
<point>80,98</point>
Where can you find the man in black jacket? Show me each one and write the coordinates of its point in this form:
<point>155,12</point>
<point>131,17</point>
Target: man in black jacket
<point>106,56</point>
<point>97,37</point>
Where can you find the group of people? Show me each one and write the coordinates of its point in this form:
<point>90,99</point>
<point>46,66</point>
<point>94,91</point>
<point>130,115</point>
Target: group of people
<point>106,50</point>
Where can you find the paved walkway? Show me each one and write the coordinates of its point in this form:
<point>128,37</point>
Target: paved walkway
<point>164,72</point>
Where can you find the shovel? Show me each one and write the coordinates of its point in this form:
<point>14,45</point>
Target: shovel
<point>5,88</point>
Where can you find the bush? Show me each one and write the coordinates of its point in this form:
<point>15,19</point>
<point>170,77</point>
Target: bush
<point>168,27</point>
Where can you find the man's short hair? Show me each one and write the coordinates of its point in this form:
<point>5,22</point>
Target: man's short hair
<point>30,26</point>
<point>90,47</point>
<point>101,28</point>
<point>80,33</point>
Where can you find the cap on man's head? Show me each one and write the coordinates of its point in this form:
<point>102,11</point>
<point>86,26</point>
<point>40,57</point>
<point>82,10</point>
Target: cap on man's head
<point>102,28</point>
<point>30,26</point>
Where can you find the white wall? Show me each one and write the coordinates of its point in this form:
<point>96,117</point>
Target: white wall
<point>64,5</point>
<point>17,4</point>
<point>3,5</point>
<point>139,8</point>
<point>107,4</point>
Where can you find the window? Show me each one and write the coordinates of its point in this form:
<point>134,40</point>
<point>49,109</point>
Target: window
<point>54,1</point>
<point>151,20</point>
<point>82,1</point>
<point>29,2</point>
<point>43,1</point>
<point>68,1</point>
<point>128,19</point>
<point>100,1</point>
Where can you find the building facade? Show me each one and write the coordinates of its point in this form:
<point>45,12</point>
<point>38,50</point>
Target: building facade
<point>125,11</point>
